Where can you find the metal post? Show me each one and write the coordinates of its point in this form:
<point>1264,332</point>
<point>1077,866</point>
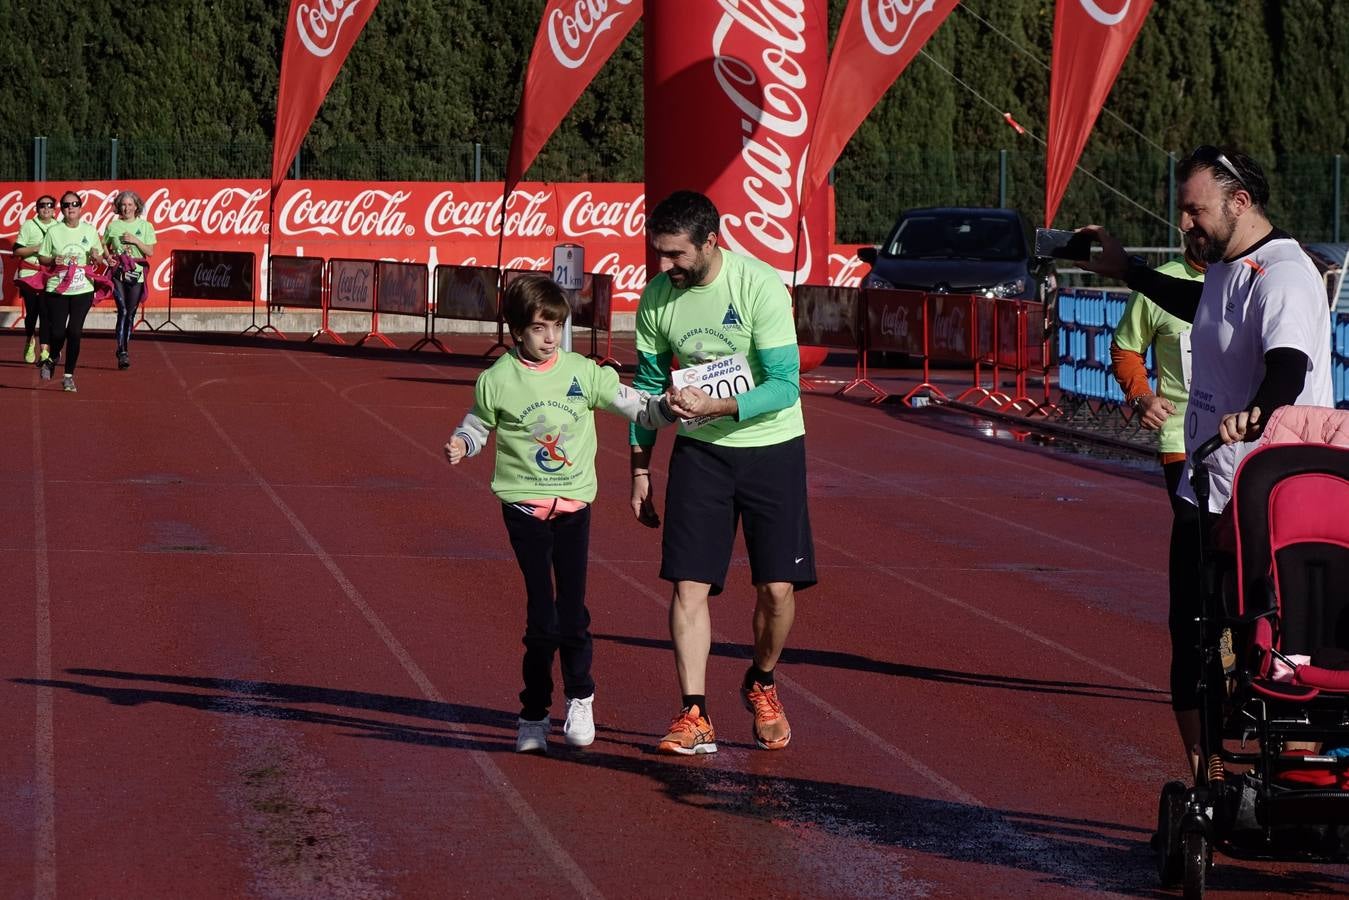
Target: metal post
<point>1339,195</point>
<point>37,158</point>
<point>1002,179</point>
<point>295,166</point>
<point>1170,197</point>
<point>477,161</point>
<point>112,158</point>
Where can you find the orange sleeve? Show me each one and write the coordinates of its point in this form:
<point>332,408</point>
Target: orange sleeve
<point>1131,371</point>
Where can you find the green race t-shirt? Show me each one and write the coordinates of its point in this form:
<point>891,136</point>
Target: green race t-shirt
<point>745,309</point>
<point>78,243</point>
<point>30,234</point>
<point>1145,324</point>
<point>137,228</point>
<point>545,425</point>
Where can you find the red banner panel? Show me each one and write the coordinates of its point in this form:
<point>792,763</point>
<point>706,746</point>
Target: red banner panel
<point>1009,313</point>
<point>351,284</point>
<point>895,320</point>
<point>951,326</point>
<point>827,316</point>
<point>212,275</point>
<point>466,292</point>
<point>297,281</point>
<point>731,92</point>
<point>401,288</point>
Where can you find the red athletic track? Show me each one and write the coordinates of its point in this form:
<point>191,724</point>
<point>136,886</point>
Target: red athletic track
<point>260,640</point>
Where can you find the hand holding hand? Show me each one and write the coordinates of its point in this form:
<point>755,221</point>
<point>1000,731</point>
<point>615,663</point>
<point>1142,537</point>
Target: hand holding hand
<point>455,450</point>
<point>1240,426</point>
<point>689,402</point>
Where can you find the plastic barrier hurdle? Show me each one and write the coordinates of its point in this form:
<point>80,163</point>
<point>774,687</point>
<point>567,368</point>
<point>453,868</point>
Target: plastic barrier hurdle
<point>213,275</point>
<point>401,289</point>
<point>834,317</point>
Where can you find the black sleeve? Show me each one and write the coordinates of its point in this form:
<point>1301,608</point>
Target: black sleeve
<point>1285,374</point>
<point>1178,296</point>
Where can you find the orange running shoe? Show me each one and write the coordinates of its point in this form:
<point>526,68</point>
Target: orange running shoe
<point>690,733</point>
<point>771,731</point>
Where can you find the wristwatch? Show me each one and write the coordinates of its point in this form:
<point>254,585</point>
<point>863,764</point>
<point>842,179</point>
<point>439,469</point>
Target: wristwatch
<point>1136,401</point>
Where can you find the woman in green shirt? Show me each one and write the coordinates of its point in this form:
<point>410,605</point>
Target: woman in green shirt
<point>130,240</point>
<point>69,247</point>
<point>26,246</point>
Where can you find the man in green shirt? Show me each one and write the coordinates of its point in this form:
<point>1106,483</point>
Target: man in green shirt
<point>740,455</point>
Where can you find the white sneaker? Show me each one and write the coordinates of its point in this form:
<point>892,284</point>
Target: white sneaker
<point>579,728</point>
<point>532,737</point>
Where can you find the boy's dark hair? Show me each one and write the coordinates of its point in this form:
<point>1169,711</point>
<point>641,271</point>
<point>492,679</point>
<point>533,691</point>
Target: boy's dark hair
<point>1232,169</point>
<point>686,213</point>
<point>530,294</point>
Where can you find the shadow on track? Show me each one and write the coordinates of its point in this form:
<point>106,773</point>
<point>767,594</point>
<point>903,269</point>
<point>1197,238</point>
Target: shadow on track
<point>837,659</point>
<point>1080,854</point>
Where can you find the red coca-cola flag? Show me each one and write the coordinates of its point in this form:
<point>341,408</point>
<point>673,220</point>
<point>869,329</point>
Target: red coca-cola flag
<point>319,35</point>
<point>574,40</point>
<point>731,92</point>
<point>876,41</point>
<point>1091,39</point>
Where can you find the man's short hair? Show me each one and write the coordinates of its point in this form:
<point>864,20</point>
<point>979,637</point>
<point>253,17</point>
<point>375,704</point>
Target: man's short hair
<point>1232,169</point>
<point>686,213</point>
<point>530,294</point>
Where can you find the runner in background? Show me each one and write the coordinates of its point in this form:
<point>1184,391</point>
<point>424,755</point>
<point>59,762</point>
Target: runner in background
<point>541,400</point>
<point>29,276</point>
<point>727,319</point>
<point>1143,325</point>
<point>70,246</point>
<point>130,240</point>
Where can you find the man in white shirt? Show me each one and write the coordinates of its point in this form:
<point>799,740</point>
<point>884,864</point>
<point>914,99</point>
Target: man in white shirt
<point>1261,340</point>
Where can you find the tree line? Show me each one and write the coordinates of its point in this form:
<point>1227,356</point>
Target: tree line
<point>189,90</point>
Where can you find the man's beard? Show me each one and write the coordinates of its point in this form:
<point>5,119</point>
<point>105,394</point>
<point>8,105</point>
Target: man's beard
<point>687,278</point>
<point>1213,247</point>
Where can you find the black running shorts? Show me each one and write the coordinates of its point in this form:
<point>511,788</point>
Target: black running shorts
<point>712,489</point>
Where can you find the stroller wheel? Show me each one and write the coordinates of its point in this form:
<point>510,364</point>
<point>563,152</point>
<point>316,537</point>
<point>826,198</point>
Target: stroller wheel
<point>1166,842</point>
<point>1197,854</point>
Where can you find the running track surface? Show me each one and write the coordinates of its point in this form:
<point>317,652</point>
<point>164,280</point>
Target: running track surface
<point>260,640</point>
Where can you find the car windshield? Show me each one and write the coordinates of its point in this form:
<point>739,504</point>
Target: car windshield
<point>957,236</point>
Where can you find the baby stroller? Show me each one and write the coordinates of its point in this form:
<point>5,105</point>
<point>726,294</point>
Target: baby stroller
<point>1279,590</point>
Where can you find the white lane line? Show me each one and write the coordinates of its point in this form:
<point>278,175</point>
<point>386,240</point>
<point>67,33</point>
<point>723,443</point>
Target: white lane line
<point>898,482</point>
<point>491,772</point>
<point>943,784</point>
<point>1024,632</point>
<point>44,762</point>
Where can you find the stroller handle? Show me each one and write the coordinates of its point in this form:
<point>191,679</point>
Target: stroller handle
<point>1206,449</point>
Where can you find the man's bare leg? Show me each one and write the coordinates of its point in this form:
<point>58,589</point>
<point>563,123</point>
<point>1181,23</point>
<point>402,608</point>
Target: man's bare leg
<point>774,612</point>
<point>691,632</point>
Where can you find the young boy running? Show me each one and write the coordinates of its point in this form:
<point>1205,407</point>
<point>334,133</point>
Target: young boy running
<point>541,400</point>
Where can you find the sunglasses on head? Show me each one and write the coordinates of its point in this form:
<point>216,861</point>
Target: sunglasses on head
<point>1211,155</point>
<point>71,204</point>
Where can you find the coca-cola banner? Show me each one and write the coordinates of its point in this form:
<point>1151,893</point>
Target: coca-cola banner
<point>466,292</point>
<point>895,320</point>
<point>951,326</point>
<point>297,281</point>
<point>574,40</point>
<point>432,222</point>
<point>731,88</point>
<point>587,302</point>
<point>351,284</point>
<point>212,275</point>
<point>401,288</point>
<point>1091,39</point>
<point>828,316</point>
<point>877,40</point>
<point>319,34</point>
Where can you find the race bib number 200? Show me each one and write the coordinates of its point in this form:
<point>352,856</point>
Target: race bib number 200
<point>722,378</point>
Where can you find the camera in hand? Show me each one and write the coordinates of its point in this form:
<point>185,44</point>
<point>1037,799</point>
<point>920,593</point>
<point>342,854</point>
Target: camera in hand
<point>1058,243</point>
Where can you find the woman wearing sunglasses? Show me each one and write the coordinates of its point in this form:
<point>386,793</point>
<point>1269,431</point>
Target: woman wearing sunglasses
<point>131,241</point>
<point>29,276</point>
<point>70,246</point>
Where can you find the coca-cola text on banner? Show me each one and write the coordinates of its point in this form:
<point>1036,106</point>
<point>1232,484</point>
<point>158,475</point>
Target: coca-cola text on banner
<point>574,39</point>
<point>296,281</point>
<point>731,88</point>
<point>319,35</point>
<point>877,39</point>
<point>1091,40</point>
<point>212,275</point>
